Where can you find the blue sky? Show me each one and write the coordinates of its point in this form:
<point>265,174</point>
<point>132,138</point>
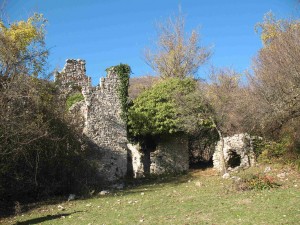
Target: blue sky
<point>109,32</point>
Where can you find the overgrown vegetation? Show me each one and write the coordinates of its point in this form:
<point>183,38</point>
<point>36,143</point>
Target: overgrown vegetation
<point>156,111</point>
<point>40,150</point>
<point>123,71</point>
<point>74,98</point>
<point>42,153</point>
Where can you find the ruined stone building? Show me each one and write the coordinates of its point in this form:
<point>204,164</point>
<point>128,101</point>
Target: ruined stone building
<point>237,151</point>
<point>107,134</point>
<point>101,111</point>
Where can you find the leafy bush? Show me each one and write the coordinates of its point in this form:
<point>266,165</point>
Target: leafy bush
<point>271,150</point>
<point>74,98</point>
<point>154,112</point>
<point>41,152</point>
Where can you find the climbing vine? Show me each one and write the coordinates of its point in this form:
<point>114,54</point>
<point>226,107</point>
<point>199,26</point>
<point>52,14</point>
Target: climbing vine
<point>123,71</point>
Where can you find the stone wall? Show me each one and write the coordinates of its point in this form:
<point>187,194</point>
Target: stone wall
<point>171,155</point>
<point>103,126</point>
<point>238,152</point>
<point>73,74</point>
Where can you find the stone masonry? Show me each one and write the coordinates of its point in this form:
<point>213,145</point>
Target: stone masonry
<point>101,122</point>
<point>238,152</point>
<point>74,73</point>
<point>103,126</point>
<point>171,155</point>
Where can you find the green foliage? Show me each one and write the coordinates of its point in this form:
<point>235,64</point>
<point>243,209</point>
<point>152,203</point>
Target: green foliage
<point>155,112</point>
<point>258,146</point>
<point>74,98</point>
<point>123,71</point>
<point>271,150</point>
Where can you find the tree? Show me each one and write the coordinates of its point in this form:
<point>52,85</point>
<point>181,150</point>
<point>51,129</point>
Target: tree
<point>223,93</point>
<point>177,54</point>
<point>271,28</point>
<point>40,151</point>
<point>139,84</point>
<point>22,49</point>
<point>275,82</point>
<point>158,110</point>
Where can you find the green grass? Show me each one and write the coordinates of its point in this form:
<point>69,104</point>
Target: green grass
<point>200,197</point>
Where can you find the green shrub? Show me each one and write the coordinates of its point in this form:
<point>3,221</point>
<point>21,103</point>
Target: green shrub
<point>258,146</point>
<point>154,112</point>
<point>74,98</point>
<point>271,150</point>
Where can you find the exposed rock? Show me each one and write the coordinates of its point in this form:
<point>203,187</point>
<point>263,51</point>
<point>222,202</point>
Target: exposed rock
<point>226,176</point>
<point>61,208</point>
<point>71,197</point>
<point>198,184</point>
<point>104,192</point>
<point>282,175</point>
<point>235,178</point>
<point>267,169</point>
<point>238,152</point>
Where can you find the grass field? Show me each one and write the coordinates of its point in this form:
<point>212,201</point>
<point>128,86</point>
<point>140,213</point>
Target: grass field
<point>200,197</point>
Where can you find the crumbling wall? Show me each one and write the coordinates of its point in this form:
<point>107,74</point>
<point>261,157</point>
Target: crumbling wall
<point>171,155</point>
<point>73,74</point>
<point>238,152</point>
<point>103,126</point>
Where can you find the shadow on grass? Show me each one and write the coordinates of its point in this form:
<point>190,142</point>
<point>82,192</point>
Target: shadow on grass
<point>44,218</point>
<point>7,209</point>
<point>155,182</point>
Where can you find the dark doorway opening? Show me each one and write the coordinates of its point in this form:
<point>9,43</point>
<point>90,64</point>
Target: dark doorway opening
<point>234,159</point>
<point>149,145</point>
<point>201,164</point>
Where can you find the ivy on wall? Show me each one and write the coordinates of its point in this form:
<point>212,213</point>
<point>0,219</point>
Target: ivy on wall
<point>123,71</point>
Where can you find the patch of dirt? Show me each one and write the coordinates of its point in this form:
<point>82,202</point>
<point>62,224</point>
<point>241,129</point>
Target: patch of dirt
<point>204,173</point>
